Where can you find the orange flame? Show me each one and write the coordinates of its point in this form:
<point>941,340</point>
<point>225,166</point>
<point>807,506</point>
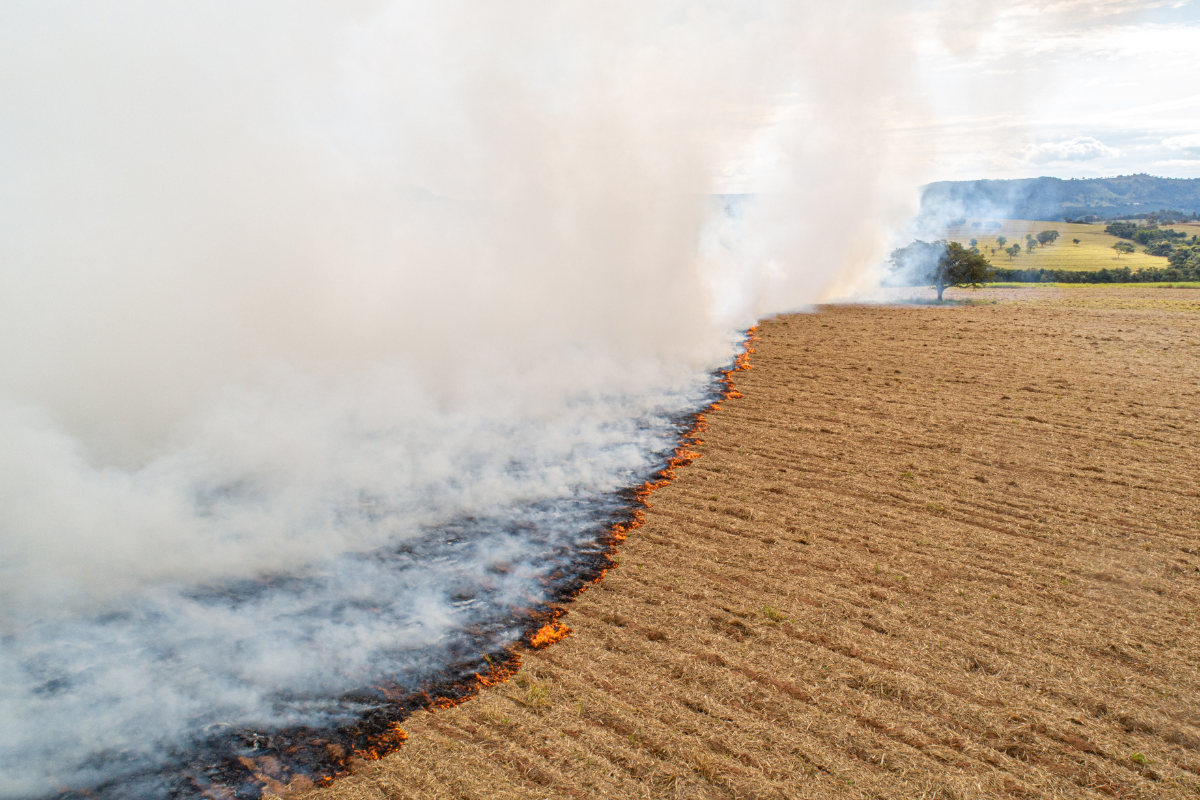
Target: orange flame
<point>388,742</point>
<point>548,635</point>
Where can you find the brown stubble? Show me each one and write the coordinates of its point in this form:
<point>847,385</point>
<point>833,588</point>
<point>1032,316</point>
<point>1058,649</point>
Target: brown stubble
<point>931,552</point>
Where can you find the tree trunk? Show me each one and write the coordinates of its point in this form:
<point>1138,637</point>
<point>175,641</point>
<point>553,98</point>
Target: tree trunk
<point>940,289</point>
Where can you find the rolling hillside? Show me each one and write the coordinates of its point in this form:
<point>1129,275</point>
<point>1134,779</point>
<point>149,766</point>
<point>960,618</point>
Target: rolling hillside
<point>1055,198</point>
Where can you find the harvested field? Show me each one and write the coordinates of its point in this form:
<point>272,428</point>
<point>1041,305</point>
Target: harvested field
<point>943,552</point>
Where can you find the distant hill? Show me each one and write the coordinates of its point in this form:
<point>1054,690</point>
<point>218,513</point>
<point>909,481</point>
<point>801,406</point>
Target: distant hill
<point>1055,198</point>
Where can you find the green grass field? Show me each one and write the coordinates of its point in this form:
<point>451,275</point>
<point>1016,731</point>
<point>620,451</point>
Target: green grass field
<point>1094,251</point>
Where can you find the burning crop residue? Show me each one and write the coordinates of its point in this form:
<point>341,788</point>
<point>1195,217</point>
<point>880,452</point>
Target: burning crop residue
<point>501,580</point>
<point>548,634</point>
<point>544,634</point>
<point>278,465</point>
<point>544,631</point>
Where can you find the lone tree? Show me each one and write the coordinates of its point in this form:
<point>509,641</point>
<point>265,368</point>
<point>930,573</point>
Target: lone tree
<point>1123,247</point>
<point>941,265</point>
<point>1015,250</point>
<point>1000,240</point>
<point>1076,241</point>
<point>1046,237</point>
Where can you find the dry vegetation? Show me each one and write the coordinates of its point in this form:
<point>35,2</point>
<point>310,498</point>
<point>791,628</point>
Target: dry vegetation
<point>1094,251</point>
<point>943,552</point>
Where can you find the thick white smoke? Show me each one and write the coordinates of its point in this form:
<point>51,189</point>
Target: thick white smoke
<point>284,286</point>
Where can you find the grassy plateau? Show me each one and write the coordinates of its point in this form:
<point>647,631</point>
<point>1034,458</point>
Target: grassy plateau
<point>1094,251</point>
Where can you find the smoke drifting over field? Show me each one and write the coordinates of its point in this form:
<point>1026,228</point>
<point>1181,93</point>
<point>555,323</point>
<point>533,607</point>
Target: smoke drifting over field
<point>329,330</point>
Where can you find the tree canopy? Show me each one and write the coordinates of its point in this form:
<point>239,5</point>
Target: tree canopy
<point>1187,257</point>
<point>1123,230</point>
<point>960,267</point>
<point>941,265</point>
<point>1147,236</point>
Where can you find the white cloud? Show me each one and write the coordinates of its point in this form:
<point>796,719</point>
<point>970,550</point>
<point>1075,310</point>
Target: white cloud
<point>1189,144</point>
<point>1081,148</point>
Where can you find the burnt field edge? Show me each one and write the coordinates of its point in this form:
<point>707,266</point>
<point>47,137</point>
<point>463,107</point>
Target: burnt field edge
<point>242,764</point>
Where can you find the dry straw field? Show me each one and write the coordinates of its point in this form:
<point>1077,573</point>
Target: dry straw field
<point>941,552</point>
<point>1094,251</point>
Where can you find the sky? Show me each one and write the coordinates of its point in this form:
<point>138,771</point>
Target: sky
<point>1064,89</point>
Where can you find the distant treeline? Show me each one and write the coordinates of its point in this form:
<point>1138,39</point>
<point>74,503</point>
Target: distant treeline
<point>1119,275</point>
<point>1164,216</point>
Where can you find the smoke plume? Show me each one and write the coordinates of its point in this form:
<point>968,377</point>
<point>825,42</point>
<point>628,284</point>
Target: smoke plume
<point>329,331</point>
